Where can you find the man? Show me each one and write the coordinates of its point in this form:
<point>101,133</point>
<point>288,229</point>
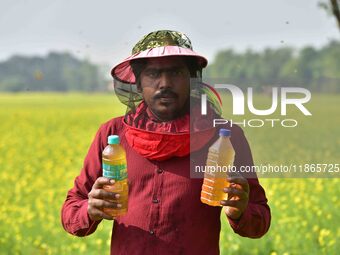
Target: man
<point>165,214</point>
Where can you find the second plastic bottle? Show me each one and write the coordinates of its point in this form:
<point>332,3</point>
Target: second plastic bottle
<point>220,157</point>
<point>114,167</point>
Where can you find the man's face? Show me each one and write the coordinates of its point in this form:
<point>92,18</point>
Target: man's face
<point>165,86</point>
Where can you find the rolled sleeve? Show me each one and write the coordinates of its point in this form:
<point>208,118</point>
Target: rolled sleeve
<point>74,216</point>
<point>255,220</point>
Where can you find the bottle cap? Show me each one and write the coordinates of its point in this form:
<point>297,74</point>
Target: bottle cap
<point>113,139</point>
<point>225,132</point>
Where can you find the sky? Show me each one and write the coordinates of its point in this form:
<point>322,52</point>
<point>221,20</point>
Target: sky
<point>105,31</point>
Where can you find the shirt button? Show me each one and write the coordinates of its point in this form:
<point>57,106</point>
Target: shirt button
<point>152,232</point>
<point>155,201</point>
<point>159,170</point>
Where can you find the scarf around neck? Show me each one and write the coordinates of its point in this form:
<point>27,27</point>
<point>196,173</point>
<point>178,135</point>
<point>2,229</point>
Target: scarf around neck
<point>156,140</point>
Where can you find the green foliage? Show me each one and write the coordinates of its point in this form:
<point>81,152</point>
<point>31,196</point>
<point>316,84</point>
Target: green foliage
<point>55,72</point>
<point>316,69</point>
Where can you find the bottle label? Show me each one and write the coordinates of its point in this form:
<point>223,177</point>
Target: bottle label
<point>117,172</point>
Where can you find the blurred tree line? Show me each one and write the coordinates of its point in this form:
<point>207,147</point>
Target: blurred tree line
<point>55,72</point>
<point>315,69</point>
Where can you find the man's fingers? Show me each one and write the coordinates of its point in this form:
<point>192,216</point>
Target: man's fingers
<point>231,203</point>
<point>101,181</point>
<point>96,209</point>
<point>97,214</point>
<point>239,180</point>
<point>236,192</point>
<point>103,194</point>
<point>100,204</point>
<point>100,199</point>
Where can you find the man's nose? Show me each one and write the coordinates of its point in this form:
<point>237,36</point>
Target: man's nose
<point>165,80</point>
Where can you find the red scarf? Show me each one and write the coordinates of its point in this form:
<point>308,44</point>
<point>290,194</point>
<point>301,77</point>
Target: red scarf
<point>159,141</point>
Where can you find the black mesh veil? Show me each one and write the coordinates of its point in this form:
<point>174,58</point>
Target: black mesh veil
<point>129,95</point>
<point>161,43</point>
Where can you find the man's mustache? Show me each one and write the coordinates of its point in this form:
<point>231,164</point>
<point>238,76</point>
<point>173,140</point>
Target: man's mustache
<point>165,93</point>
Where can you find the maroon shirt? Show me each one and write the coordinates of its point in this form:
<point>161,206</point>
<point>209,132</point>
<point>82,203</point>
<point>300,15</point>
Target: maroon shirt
<point>165,214</point>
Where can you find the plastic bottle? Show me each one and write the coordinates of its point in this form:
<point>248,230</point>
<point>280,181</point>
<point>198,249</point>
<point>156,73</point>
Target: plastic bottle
<point>220,158</point>
<point>114,167</point>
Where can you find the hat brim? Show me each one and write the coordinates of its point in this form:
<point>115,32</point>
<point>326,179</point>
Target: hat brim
<point>123,71</point>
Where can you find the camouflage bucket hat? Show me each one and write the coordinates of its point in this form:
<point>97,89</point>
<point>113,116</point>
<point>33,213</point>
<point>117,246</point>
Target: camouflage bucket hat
<point>160,43</point>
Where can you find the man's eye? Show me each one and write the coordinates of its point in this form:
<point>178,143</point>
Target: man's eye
<point>177,72</point>
<point>152,74</point>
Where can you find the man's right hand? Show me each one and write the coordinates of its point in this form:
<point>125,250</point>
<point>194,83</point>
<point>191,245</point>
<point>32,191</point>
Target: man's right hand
<point>99,199</point>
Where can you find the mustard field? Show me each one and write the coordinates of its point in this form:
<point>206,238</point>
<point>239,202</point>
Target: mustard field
<point>45,137</point>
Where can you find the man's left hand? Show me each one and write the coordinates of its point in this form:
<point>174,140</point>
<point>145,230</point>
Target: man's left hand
<point>238,196</point>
